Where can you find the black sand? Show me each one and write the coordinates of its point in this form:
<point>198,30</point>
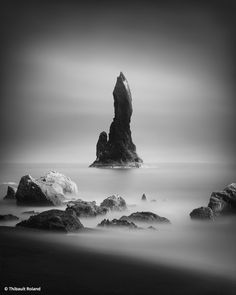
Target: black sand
<point>59,268</point>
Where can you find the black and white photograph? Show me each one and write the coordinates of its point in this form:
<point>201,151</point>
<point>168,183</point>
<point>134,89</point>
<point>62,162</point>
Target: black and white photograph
<point>118,147</point>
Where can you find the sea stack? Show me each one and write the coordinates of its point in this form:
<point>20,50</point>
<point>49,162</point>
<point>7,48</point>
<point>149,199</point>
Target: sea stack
<point>118,150</point>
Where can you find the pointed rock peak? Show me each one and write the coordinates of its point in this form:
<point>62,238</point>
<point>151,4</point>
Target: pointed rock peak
<point>118,149</point>
<point>122,76</point>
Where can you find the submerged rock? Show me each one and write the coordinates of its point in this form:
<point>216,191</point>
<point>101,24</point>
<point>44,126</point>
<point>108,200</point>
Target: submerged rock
<point>202,213</point>
<point>144,198</point>
<point>8,217</point>
<point>224,202</point>
<point>118,150</point>
<point>85,209</point>
<point>148,217</point>
<point>47,190</point>
<point>11,193</point>
<point>118,223</point>
<point>114,203</point>
<point>54,220</point>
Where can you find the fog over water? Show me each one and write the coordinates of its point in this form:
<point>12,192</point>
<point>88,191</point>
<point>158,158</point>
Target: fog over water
<point>176,189</point>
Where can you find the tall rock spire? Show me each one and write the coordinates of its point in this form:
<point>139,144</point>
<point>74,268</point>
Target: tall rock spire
<point>118,149</point>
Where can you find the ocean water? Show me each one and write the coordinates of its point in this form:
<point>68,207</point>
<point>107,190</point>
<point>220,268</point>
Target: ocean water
<point>173,191</point>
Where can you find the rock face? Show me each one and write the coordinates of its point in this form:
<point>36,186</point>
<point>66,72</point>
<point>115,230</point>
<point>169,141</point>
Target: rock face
<point>220,203</point>
<point>47,190</point>
<point>54,220</point>
<point>202,213</point>
<point>148,217</point>
<point>224,202</point>
<point>85,209</point>
<point>117,223</point>
<point>8,217</point>
<point>114,203</point>
<point>144,198</point>
<point>118,150</point>
<point>11,193</point>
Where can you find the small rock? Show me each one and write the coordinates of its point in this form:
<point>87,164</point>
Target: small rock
<point>117,223</point>
<point>8,217</point>
<point>114,203</point>
<point>54,220</point>
<point>144,198</point>
<point>11,193</point>
<point>202,213</point>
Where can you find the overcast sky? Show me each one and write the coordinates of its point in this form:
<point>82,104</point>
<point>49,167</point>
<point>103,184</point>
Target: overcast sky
<point>60,65</point>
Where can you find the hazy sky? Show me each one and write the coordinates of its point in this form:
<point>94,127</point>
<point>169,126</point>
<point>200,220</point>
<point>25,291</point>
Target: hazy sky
<point>61,60</point>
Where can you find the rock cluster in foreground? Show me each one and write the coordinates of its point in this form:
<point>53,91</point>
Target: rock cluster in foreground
<point>47,190</point>
<point>118,149</point>
<point>53,220</point>
<point>220,203</point>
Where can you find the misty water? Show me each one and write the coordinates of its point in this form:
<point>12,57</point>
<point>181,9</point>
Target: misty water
<point>172,190</point>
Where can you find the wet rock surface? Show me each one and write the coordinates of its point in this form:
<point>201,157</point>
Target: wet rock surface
<point>53,220</point>
<point>118,149</point>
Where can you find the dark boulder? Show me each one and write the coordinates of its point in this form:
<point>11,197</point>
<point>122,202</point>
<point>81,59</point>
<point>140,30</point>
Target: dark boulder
<point>8,217</point>
<point>29,192</point>
<point>224,202</point>
<point>144,198</point>
<point>118,223</point>
<point>202,213</point>
<point>114,203</point>
<point>11,193</point>
<point>148,217</point>
<point>85,209</point>
<point>54,220</point>
<point>118,149</point>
